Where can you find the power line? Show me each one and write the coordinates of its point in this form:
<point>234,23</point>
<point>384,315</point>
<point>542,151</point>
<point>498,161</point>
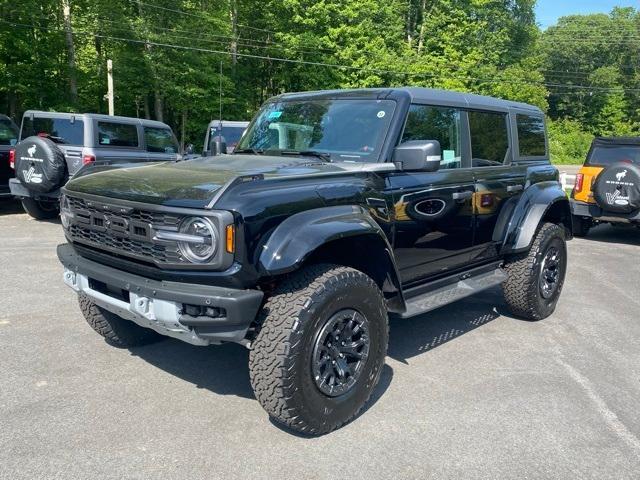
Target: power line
<point>333,65</point>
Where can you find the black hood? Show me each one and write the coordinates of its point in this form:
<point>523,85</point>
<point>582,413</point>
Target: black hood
<point>191,183</point>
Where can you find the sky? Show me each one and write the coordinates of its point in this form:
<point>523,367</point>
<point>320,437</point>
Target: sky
<point>548,11</point>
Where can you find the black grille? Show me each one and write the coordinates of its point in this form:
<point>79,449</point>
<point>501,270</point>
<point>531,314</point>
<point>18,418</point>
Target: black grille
<point>122,230</point>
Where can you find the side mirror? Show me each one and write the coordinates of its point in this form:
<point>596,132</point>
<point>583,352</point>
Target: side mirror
<point>418,155</point>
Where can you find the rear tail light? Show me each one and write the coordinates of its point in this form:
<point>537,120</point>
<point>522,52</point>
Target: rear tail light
<point>87,159</point>
<point>579,182</point>
<point>12,158</point>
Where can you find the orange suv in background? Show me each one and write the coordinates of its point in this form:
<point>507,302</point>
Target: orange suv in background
<point>607,188</point>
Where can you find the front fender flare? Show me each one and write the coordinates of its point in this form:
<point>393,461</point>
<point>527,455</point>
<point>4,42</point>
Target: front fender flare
<point>301,234</point>
<point>534,205</point>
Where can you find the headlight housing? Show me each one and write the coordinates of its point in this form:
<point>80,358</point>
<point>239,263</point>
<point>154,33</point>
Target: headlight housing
<point>198,239</point>
<point>65,212</point>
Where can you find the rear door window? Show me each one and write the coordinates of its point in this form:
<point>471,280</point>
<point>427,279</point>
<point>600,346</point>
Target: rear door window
<point>489,138</point>
<point>112,134</point>
<point>160,140</point>
<point>605,156</point>
<point>8,132</point>
<point>531,136</point>
<point>60,130</point>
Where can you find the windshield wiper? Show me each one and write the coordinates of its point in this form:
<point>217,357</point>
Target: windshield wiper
<point>255,151</point>
<point>308,153</point>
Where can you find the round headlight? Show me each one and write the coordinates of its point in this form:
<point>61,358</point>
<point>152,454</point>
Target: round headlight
<point>65,211</point>
<point>200,241</point>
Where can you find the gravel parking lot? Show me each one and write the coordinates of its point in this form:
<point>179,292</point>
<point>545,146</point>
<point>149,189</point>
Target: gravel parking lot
<point>468,391</point>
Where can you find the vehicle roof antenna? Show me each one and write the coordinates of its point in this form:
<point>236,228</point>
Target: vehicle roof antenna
<point>220,111</point>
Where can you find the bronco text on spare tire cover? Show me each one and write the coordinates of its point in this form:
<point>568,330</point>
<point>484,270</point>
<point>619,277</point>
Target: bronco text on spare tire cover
<point>333,213</point>
<point>40,164</point>
<point>617,188</point>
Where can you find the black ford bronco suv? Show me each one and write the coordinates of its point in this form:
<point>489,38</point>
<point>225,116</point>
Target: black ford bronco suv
<point>336,209</point>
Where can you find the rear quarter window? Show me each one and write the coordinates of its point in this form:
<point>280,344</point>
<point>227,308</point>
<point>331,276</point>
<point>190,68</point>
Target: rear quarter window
<point>60,130</point>
<point>111,134</point>
<point>531,136</point>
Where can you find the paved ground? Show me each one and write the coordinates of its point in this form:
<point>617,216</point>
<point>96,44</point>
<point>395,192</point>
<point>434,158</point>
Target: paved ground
<point>468,392</point>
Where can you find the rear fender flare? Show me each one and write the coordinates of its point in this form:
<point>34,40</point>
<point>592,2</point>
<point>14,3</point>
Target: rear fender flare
<point>539,201</point>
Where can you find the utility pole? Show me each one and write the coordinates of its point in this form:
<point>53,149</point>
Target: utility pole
<point>109,95</point>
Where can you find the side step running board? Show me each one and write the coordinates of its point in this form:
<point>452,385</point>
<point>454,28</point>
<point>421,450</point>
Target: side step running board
<point>453,292</point>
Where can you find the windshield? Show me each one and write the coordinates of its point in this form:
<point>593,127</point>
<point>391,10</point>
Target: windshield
<point>60,130</point>
<point>8,132</point>
<point>231,135</point>
<point>608,155</point>
<point>345,129</point>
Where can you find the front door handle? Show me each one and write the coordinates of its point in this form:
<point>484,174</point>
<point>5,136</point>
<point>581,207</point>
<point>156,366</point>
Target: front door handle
<point>462,195</point>
<point>515,188</point>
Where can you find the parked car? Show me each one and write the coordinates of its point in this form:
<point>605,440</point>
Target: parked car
<point>226,131</point>
<point>53,147</point>
<point>607,188</point>
<point>337,209</point>
<point>8,139</point>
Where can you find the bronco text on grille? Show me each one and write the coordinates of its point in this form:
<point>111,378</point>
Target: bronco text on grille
<point>122,228</point>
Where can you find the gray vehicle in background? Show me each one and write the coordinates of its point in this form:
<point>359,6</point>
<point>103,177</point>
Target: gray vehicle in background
<point>222,131</point>
<point>52,147</point>
<point>8,138</point>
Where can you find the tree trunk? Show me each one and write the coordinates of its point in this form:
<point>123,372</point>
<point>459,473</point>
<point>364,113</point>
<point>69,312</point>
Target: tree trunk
<point>158,104</point>
<point>423,17</point>
<point>182,130</point>
<point>233,13</point>
<point>71,52</point>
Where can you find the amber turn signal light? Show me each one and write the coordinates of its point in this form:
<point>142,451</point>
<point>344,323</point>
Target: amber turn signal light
<point>230,238</point>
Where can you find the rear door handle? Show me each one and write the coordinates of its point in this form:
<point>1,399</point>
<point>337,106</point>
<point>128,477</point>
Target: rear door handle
<point>462,195</point>
<point>515,188</point>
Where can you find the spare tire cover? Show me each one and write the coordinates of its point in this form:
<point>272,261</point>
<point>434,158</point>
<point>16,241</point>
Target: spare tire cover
<point>617,188</point>
<point>40,164</point>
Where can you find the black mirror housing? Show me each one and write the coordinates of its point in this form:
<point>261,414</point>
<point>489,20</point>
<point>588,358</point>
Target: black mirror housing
<point>418,155</point>
<point>217,146</point>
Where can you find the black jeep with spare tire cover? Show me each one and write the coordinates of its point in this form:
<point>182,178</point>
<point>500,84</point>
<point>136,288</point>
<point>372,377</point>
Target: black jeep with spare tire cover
<point>55,146</point>
<point>336,210</point>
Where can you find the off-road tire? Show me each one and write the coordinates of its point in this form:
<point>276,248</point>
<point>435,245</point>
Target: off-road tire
<point>281,354</point>
<point>522,290</point>
<point>40,210</point>
<point>581,226</point>
<point>116,330</point>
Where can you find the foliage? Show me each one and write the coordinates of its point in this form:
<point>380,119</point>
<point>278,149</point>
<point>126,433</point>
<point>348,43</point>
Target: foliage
<point>184,61</point>
<point>568,142</point>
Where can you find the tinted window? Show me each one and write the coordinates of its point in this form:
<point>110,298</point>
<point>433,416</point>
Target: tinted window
<point>160,140</point>
<point>60,130</point>
<point>351,130</point>
<point>608,155</point>
<point>231,135</point>
<point>8,132</point>
<point>531,136</point>
<point>489,138</point>
<point>436,123</point>
<point>117,135</point>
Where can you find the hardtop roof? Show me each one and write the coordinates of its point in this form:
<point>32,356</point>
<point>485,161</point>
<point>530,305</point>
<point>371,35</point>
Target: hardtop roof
<point>613,141</point>
<point>420,95</point>
<point>97,116</point>
<point>229,123</point>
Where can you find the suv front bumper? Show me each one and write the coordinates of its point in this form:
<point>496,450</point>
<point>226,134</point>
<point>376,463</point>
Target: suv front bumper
<point>161,305</point>
<point>591,210</point>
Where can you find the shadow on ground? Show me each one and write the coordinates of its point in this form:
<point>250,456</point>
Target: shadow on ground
<point>224,369</point>
<point>621,234</point>
<point>10,206</point>
<point>418,335</point>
